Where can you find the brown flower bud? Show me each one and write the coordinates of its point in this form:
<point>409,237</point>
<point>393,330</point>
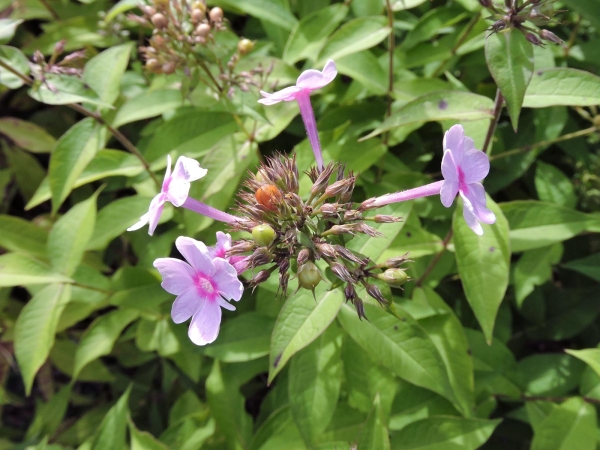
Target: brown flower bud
<point>260,277</point>
<point>241,247</point>
<point>350,292</point>
<point>350,256</point>
<point>157,41</point>
<point>260,257</point>
<point>161,4</point>
<point>397,261</point>
<point>368,230</point>
<point>159,21</point>
<point>303,256</point>
<point>340,271</point>
<point>203,30</point>
<point>337,188</point>
<point>197,15</point>
<point>329,210</point>
<point>534,39</point>
<point>152,65</point>
<point>550,36</point>
<point>376,293</point>
<point>59,47</point>
<point>322,180</point>
<point>169,67</point>
<point>216,14</point>
<point>326,249</point>
<point>245,46</point>
<point>351,215</point>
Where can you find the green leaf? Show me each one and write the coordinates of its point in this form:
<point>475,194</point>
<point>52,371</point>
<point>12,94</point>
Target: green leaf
<point>35,329</point>
<point>446,332</point>
<point>27,135</point>
<point>538,224</point>
<point>99,339</point>
<point>62,90</point>
<point>441,105</point>
<point>190,133</point>
<point>72,153</point>
<point>374,433</point>
<point>509,57</point>
<point>400,344</point>
<point>355,36</point>
<point>300,322</point>
<point>570,426</point>
<point>142,440</point>
<point>111,433</point>
<point>27,171</point>
<point>17,269</point>
<point>149,104</point>
<point>106,163</point>
<point>242,338</point>
<point>70,234</point>
<point>550,374</point>
<point>308,36</point>
<point>19,235</point>
<point>268,10</point>
<point>314,382</point>
<point>430,25</point>
<point>590,356</point>
<point>534,268</point>
<point>400,5</point>
<point>104,71</point>
<point>49,415</point>
<point>444,433</point>
<point>562,86</point>
<point>589,266</point>
<point>115,218</point>
<point>374,247</point>
<point>365,68</point>
<point>62,356</point>
<point>483,265</point>
<point>7,29</point>
<point>553,186</point>
<point>277,431</point>
<point>227,407</point>
<point>18,61</point>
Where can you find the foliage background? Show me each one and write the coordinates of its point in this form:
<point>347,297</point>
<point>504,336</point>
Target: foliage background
<point>89,356</point>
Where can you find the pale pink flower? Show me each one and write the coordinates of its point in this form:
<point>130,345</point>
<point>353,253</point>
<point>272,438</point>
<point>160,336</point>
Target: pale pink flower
<point>219,250</point>
<point>203,286</point>
<point>308,81</point>
<point>463,168</point>
<point>175,189</point>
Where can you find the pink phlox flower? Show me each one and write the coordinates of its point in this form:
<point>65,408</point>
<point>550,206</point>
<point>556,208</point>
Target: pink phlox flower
<point>463,168</point>
<point>175,189</point>
<point>203,286</point>
<point>219,250</point>
<point>308,81</point>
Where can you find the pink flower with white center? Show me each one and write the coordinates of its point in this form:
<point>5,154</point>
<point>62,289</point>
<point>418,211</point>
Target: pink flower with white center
<point>463,168</point>
<point>175,189</point>
<point>308,81</point>
<point>203,286</point>
<point>219,250</point>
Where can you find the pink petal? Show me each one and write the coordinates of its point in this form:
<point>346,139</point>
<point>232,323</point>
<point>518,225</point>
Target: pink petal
<point>475,166</point>
<point>284,95</point>
<point>205,324</point>
<point>154,218</point>
<point>220,249</point>
<point>155,203</point>
<point>469,215</point>
<point>454,140</point>
<point>168,171</point>
<point>177,276</point>
<point>188,169</point>
<point>314,79</point>
<point>448,192</point>
<point>178,191</point>
<point>449,169</point>
<point>196,254</point>
<point>225,304</point>
<point>478,199</point>
<point>226,280</point>
<point>185,306</point>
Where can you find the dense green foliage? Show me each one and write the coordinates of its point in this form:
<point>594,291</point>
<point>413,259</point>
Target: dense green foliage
<point>494,341</point>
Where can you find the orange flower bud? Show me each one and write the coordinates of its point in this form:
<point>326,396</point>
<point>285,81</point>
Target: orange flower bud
<point>268,195</point>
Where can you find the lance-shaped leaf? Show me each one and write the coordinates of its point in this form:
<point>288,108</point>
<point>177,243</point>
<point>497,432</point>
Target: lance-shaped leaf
<point>483,265</point>
<point>509,57</point>
<point>562,86</point>
<point>104,71</point>
<point>111,433</point>
<point>374,433</point>
<point>300,322</point>
<point>35,329</point>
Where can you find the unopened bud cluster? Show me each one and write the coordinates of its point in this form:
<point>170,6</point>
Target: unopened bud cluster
<point>71,64</point>
<point>308,238</point>
<point>527,17</point>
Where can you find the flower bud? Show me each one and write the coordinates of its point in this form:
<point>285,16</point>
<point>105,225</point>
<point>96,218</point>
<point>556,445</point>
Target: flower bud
<point>197,15</point>
<point>397,261</point>
<point>59,47</point>
<point>268,196</point>
<point>394,277</point>
<point>159,21</point>
<point>199,5</point>
<point>382,218</point>
<point>169,67</point>
<point>148,10</point>
<point>534,39</point>
<point>157,41</point>
<point>350,292</point>
<point>342,272</point>
<point>260,257</point>
<point>329,210</point>
<point>309,276</point>
<point>240,247</point>
<point>327,250</point>
<point>216,14</point>
<point>203,30</point>
<point>375,292</point>
<point>152,65</point>
<point>352,215</point>
<point>263,234</point>
<point>350,256</point>
<point>337,188</point>
<point>550,36</point>
<point>322,180</point>
<point>303,256</point>
<point>245,46</point>
<point>161,4</point>
<point>260,277</point>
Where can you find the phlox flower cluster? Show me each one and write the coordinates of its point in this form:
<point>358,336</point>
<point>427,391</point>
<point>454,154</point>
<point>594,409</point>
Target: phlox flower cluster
<point>272,211</point>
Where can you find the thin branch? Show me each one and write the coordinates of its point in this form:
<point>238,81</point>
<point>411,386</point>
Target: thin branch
<point>435,260</point>
<point>86,112</point>
<point>391,48</point>
<point>51,10</point>
<point>492,128</point>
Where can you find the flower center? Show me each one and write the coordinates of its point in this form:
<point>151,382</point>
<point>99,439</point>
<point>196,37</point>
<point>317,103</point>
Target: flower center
<point>205,287</point>
<point>462,186</point>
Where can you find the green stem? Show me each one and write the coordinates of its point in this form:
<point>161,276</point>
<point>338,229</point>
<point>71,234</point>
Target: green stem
<point>492,128</point>
<point>435,260</point>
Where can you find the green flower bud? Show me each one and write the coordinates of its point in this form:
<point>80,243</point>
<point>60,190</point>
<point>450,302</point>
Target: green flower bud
<point>394,277</point>
<point>263,234</point>
<point>245,46</point>
<point>309,276</point>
